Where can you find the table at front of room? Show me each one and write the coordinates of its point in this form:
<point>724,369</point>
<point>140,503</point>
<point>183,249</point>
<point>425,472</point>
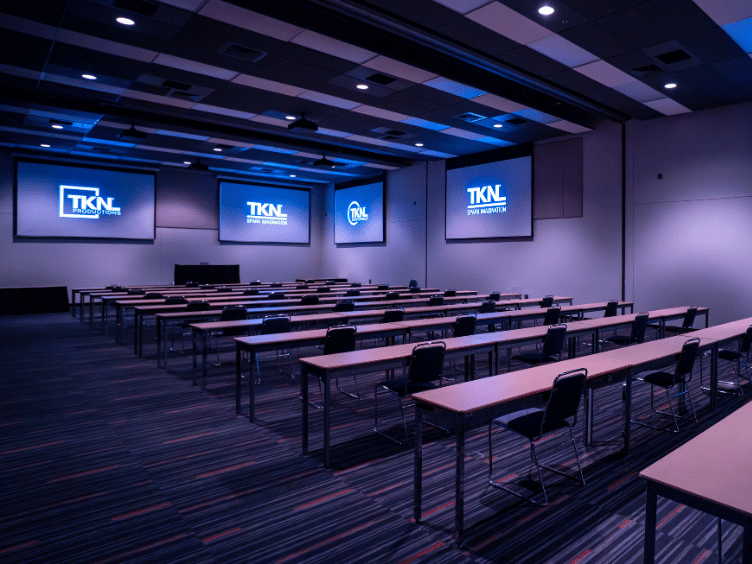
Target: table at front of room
<point>479,402</point>
<point>709,473</point>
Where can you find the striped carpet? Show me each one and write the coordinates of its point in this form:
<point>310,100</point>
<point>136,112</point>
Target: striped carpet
<point>105,458</point>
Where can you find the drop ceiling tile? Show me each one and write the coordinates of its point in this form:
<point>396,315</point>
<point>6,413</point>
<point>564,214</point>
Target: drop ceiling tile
<point>194,67</point>
<point>595,9</point>
<point>563,51</point>
<point>563,17</point>
<point>712,45</point>
<point>328,100</point>
<point>507,22</point>
<point>605,73</point>
<point>399,69</point>
<point>422,12</point>
<point>568,126</point>
<point>724,12</point>
<point>463,6</point>
<point>536,116</point>
<point>678,17</point>
<point>453,87</point>
<point>498,103</point>
<point>333,47</point>
<point>223,111</point>
<point>576,81</point>
<point>468,32</point>
<point>106,46</point>
<point>597,40</point>
<point>40,10</point>
<point>741,32</point>
<point>738,71</point>
<point>639,91</point>
<point>530,61</point>
<point>268,85</point>
<point>252,21</point>
<point>635,28</point>
<point>379,113</point>
<point>667,107</point>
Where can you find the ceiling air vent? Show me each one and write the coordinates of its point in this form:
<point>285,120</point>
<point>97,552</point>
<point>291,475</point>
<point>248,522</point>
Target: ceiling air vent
<point>470,117</point>
<point>379,78</point>
<point>647,70</point>
<point>516,121</point>
<point>673,57</point>
<point>183,95</point>
<point>136,6</point>
<point>174,84</point>
<point>242,53</point>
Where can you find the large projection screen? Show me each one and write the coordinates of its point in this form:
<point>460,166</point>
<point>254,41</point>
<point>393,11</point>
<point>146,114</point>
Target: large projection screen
<point>56,200</point>
<point>491,200</point>
<point>252,213</point>
<point>359,214</point>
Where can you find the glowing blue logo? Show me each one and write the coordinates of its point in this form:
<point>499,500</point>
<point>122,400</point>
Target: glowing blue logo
<point>85,203</point>
<point>356,214</point>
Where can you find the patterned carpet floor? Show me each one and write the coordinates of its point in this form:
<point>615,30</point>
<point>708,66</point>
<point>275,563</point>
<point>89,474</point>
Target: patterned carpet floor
<point>106,458</point>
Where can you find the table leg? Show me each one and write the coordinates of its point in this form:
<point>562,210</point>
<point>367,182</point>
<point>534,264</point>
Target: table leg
<point>136,350</point>
<point>101,308</point>
<point>651,506</point>
<point>91,313</point>
<point>747,546</point>
<point>165,349</point>
<point>714,376</point>
<point>596,337</point>
<point>589,416</point>
<point>140,334</point>
<point>304,394</point>
<point>238,379</point>
<point>459,514</point>
<point>628,415</point>
<point>327,419</point>
<point>159,342</point>
<point>418,469</point>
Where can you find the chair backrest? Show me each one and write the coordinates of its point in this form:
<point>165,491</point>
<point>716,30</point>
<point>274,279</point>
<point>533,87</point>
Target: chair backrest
<point>552,316</point>
<point>175,300</point>
<point>309,300</point>
<point>494,296</point>
<point>197,306</point>
<point>153,296</point>
<point>255,283</point>
<point>413,284</point>
<point>426,362</point>
<point>564,401</point>
<point>207,287</point>
<point>382,287</point>
<point>233,313</point>
<point>450,293</point>
<point>611,308</point>
<point>191,284</point>
<point>414,289</point>
<point>639,326</point>
<point>436,300</point>
<point>488,306</point>
<point>689,318</point>
<point>554,340</point>
<point>136,292</point>
<point>275,285</point>
<point>352,293</point>
<point>251,292</point>
<point>276,295</point>
<point>547,301</point>
<point>340,338</point>
<point>393,315</point>
<point>344,305</point>
<point>392,296</point>
<point>323,289</point>
<point>746,340</point>
<point>463,326</point>
<point>355,285</point>
<point>686,360</point>
<point>301,287</point>
<point>275,324</point>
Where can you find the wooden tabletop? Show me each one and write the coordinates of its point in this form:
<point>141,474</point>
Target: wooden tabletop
<point>714,465</point>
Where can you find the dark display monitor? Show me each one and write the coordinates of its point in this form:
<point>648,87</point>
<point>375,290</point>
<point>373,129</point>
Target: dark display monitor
<point>252,213</point>
<point>56,200</point>
<point>491,200</point>
<point>359,213</point>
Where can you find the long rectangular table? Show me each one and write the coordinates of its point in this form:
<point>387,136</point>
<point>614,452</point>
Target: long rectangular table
<point>480,401</point>
<point>710,473</point>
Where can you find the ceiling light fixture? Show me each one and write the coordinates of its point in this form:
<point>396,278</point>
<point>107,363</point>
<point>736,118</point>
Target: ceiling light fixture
<point>303,123</point>
<point>419,144</point>
<point>125,21</point>
<point>56,126</point>
<point>292,176</point>
<point>362,87</point>
<point>89,76</point>
<point>218,149</point>
<point>545,10</point>
<point>186,162</point>
<point>670,85</point>
<point>45,145</point>
<point>497,125</point>
<point>290,118</point>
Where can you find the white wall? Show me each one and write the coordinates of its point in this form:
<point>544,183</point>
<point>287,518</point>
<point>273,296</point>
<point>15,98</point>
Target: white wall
<point>688,233</point>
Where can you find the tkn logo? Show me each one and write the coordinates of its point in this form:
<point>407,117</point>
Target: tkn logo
<point>266,214</point>
<point>356,214</point>
<point>81,202</point>
<point>486,199</point>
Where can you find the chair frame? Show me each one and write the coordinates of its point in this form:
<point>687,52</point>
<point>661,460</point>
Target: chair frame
<point>741,360</point>
<point>265,331</point>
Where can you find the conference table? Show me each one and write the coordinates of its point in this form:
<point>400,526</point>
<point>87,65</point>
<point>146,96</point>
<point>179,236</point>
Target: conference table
<point>710,473</point>
<point>479,402</point>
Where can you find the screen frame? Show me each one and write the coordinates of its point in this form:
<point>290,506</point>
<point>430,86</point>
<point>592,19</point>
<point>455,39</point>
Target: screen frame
<point>355,184</point>
<point>74,238</point>
<point>259,185</point>
<point>505,154</point>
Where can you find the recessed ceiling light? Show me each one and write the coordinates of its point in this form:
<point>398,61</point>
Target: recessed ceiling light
<point>125,21</point>
<point>292,176</point>
<point>218,149</point>
<point>45,145</point>
<point>186,162</point>
<point>419,144</point>
<point>56,126</point>
<point>545,11</point>
<point>498,125</point>
<point>671,85</point>
<point>362,87</point>
<point>89,76</point>
<point>290,118</point>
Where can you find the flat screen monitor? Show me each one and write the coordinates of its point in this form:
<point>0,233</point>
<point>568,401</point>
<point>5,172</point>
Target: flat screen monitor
<point>253,213</point>
<point>57,200</point>
<point>491,200</point>
<point>359,213</point>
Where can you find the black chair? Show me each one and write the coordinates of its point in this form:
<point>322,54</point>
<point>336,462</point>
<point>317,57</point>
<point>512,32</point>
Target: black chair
<point>341,338</point>
<point>413,284</point>
<point>301,287</point>
<point>547,301</point>
<point>309,300</point>
<point>153,296</point>
<point>352,293</point>
<point>426,364</point>
<point>323,289</point>
<point>255,283</point>
<point>392,296</point>
<point>355,285</point>
<point>270,325</point>
<point>553,342</point>
<point>536,424</point>
<point>637,334</point>
<point>436,300</point>
<point>382,287</point>
<point>740,359</point>
<point>276,296</point>
<point>344,305</point>
<point>494,296</point>
<point>611,308</point>
<point>680,378</point>
<point>251,292</point>
<point>175,300</point>
<point>183,328</point>
<point>275,285</point>
<point>488,306</point>
<point>207,287</point>
<point>414,289</point>
<point>191,284</point>
<point>136,292</point>
<point>552,316</point>
<point>463,326</point>
<point>231,313</point>
<point>450,293</point>
<point>687,323</point>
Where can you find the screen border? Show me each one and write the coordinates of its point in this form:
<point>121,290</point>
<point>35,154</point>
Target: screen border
<point>505,154</point>
<point>73,238</point>
<point>354,184</point>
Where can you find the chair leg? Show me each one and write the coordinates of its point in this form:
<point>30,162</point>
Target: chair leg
<point>356,395</point>
<point>376,419</point>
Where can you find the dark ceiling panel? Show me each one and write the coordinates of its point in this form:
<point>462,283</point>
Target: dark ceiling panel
<point>43,11</point>
<point>22,50</point>
<point>712,45</point>
<point>530,61</point>
<point>626,104</point>
<point>576,81</point>
<point>421,12</point>
<point>563,17</point>
<point>314,59</point>
<point>678,17</point>
<point>738,71</point>
<point>595,9</point>
<point>635,28</point>
<point>467,32</point>
<point>597,40</point>
<point>96,63</point>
